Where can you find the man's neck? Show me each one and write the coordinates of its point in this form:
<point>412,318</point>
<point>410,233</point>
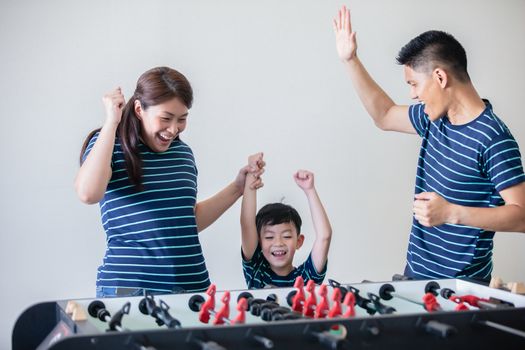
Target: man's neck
<point>466,105</point>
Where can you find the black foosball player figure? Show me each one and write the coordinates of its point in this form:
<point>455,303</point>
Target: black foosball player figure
<point>160,313</point>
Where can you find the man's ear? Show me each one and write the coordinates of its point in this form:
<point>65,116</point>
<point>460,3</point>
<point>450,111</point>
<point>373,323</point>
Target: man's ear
<point>441,77</point>
<point>138,109</point>
<point>300,241</point>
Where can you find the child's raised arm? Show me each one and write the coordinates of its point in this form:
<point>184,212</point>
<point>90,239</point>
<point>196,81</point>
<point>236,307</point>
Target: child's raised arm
<point>249,235</point>
<point>323,231</point>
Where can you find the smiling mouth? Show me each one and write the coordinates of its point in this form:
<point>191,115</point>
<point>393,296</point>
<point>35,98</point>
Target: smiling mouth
<point>165,138</point>
<point>279,253</point>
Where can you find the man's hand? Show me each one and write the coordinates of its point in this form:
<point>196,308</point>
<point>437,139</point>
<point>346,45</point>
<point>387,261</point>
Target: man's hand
<point>430,209</point>
<point>345,40</point>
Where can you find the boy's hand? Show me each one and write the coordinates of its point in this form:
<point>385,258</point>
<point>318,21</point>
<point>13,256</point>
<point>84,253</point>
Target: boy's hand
<point>345,40</point>
<point>256,162</point>
<point>304,179</point>
<point>251,172</point>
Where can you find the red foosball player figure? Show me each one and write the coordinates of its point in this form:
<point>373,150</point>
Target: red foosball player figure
<point>335,310</point>
<point>430,302</point>
<point>350,305</point>
<point>298,299</point>
<point>311,301</point>
<point>242,305</point>
<point>209,305</point>
<point>322,307</point>
<point>224,313</point>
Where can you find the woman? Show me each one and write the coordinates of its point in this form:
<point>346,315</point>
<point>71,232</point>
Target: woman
<point>145,180</point>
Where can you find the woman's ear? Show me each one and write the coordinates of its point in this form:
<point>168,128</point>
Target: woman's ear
<point>138,109</point>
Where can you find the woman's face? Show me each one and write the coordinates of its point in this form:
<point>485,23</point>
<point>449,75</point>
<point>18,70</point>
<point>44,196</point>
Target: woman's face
<point>161,123</point>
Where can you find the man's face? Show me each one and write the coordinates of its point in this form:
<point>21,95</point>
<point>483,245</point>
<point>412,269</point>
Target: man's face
<point>278,245</point>
<point>427,88</point>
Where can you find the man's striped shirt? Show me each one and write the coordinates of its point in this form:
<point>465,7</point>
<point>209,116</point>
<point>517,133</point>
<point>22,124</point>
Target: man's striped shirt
<point>467,165</point>
<point>152,239</point>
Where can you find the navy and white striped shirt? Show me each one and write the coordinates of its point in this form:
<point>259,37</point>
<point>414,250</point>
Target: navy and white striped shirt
<point>467,165</point>
<point>259,274</point>
<point>152,239</point>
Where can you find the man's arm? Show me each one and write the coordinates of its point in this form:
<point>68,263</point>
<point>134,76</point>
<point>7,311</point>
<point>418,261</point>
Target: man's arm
<point>323,230</point>
<point>384,112</point>
<point>430,209</point>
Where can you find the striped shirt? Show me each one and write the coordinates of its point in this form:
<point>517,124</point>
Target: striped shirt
<point>259,274</point>
<point>467,165</point>
<point>152,239</point>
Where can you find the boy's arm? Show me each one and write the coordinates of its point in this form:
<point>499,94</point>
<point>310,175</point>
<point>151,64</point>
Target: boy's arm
<point>323,229</point>
<point>249,235</point>
<point>384,112</point>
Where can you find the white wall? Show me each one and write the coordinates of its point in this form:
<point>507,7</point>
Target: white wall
<point>266,77</point>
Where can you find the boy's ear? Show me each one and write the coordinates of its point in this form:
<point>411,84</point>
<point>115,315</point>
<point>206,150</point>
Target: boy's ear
<point>300,241</point>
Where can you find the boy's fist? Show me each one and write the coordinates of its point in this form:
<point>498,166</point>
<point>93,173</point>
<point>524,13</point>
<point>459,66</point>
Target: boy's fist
<point>304,179</point>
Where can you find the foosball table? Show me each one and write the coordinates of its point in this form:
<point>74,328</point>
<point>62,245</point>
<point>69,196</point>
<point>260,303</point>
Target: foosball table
<point>430,314</point>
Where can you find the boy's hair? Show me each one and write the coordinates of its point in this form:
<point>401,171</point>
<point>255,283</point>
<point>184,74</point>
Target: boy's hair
<point>433,48</point>
<point>275,214</point>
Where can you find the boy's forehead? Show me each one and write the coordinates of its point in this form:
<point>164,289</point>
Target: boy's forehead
<point>278,228</point>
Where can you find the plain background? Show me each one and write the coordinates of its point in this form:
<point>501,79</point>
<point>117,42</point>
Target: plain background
<point>266,78</point>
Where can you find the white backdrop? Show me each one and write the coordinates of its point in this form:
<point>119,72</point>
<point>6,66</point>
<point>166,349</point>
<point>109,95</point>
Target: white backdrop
<point>266,78</point>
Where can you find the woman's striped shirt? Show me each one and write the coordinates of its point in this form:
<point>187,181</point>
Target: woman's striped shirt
<point>152,239</point>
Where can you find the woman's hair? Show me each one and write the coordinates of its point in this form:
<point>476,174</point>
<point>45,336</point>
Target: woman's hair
<point>154,87</point>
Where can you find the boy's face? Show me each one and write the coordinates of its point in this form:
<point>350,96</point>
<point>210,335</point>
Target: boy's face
<point>278,245</point>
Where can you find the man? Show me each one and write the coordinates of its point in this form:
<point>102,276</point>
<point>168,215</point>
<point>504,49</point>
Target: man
<point>470,180</point>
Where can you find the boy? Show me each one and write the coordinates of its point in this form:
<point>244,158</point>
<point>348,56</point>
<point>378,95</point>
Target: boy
<point>270,239</point>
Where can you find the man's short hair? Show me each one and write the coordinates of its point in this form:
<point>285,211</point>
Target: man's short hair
<point>275,214</point>
<point>432,49</point>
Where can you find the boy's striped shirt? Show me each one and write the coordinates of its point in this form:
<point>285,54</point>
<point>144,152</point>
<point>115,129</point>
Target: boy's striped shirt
<point>259,274</point>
